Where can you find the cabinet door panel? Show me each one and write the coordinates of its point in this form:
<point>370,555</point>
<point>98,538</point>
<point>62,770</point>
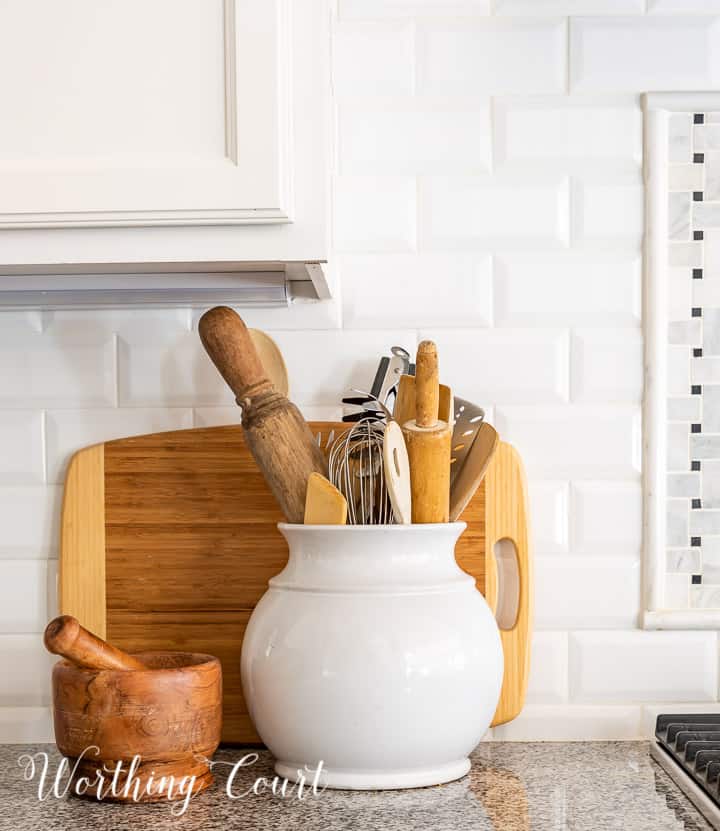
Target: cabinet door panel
<point>144,112</point>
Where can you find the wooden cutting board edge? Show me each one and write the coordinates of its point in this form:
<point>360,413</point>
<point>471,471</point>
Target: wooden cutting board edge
<point>82,584</point>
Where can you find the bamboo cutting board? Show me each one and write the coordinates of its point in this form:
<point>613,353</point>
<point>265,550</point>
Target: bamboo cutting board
<point>168,541</point>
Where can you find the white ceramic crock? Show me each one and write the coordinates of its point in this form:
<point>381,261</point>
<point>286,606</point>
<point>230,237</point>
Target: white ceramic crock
<point>373,652</point>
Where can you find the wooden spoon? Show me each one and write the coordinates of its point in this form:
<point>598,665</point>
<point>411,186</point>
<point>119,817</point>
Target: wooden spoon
<point>473,470</point>
<point>271,359</point>
<point>324,504</point>
<point>65,636</point>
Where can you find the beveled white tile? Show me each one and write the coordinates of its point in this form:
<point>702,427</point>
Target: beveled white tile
<point>568,7</point>
<point>606,518</point>
<point>481,57</point>
<point>587,592</point>
<point>579,441</point>
<point>548,668</point>
<point>21,447</point>
<point>73,369</point>
<point>391,70</point>
<point>375,213</point>
<point>23,596</point>
<point>640,47</point>
<point>683,7</point>
<point>30,522</point>
<point>572,289</point>
<point>606,208</point>
<point>70,430</point>
<point>504,366</point>
<point>414,135</point>
<point>411,8</point>
<point>506,212</point>
<point>549,515</point>
<point>466,298</point>
<point>633,666</point>
<point>26,725</point>
<point>31,668</point>
<point>572,723</point>
<point>221,416</point>
<point>607,365</point>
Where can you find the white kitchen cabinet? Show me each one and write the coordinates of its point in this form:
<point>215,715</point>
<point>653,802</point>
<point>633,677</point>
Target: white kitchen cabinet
<point>156,131</point>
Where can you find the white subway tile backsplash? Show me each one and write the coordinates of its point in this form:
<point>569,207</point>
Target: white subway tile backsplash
<point>375,213</point>
<point>590,442</point>
<point>483,57</point>
<point>22,457</point>
<point>568,132</point>
<point>373,59</point>
<point>607,211</point>
<point>31,666</point>
<point>415,135</point>
<point>549,515</point>
<point>548,669</point>
<point>222,416</point>
<point>648,53</point>
<point>606,518</point>
<point>586,592</point>
<point>71,430</point>
<point>30,519</point>
<point>494,211</point>
<point>607,365</point>
<point>26,725</point>
<point>23,596</point>
<point>375,291</point>
<point>610,667</point>
<point>73,369</point>
<point>504,366</point>
<point>572,723</point>
<point>412,8</point>
<point>570,290</point>
<point>569,7</point>
<point>683,6</point>
<point>167,369</point>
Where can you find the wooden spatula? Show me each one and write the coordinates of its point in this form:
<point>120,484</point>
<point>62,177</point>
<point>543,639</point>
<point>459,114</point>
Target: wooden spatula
<point>397,472</point>
<point>324,504</point>
<point>471,473</point>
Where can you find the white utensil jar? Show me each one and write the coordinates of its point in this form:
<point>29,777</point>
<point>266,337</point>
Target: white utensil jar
<point>374,654</point>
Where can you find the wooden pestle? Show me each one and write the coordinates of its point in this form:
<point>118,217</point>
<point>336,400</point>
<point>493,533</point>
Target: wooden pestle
<point>428,441</point>
<point>276,433</point>
<point>65,636</point>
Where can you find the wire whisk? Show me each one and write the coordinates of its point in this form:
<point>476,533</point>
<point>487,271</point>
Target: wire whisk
<point>356,469</point>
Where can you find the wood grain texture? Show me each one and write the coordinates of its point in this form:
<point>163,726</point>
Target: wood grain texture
<point>81,572</point>
<point>191,541</point>
<point>65,636</point>
<point>507,519</point>
<point>168,713</point>
<point>324,504</point>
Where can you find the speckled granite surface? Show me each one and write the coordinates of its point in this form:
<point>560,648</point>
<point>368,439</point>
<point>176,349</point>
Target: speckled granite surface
<point>598,786</point>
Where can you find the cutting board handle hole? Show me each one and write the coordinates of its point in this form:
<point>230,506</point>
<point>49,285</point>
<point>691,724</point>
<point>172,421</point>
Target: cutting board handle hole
<point>508,579</point>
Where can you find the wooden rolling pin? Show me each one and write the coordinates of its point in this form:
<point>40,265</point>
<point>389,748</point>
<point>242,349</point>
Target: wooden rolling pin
<point>428,441</point>
<point>276,433</point>
<point>65,636</point>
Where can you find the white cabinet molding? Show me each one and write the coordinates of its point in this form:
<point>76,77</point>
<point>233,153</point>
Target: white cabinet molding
<point>244,47</point>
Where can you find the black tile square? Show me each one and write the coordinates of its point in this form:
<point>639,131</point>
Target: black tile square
<point>698,118</point>
<point>698,158</point>
<point>694,465</point>
<point>697,503</point>
<point>696,428</point>
<point>697,353</point>
<point>695,542</point>
<point>698,235</point>
<point>696,389</point>
<point>696,579</point>
<point>697,274</point>
<point>697,196</point>
<point>697,312</point>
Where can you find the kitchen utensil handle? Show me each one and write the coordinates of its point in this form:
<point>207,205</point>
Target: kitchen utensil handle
<point>427,390</point>
<point>506,518</point>
<point>228,343</point>
<point>65,636</point>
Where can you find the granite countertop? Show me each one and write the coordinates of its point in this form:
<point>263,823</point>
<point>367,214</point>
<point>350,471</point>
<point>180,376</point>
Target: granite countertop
<point>551,786</point>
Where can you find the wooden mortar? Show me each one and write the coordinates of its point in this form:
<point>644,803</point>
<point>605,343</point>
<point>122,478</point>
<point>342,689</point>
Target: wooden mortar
<point>168,712</point>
